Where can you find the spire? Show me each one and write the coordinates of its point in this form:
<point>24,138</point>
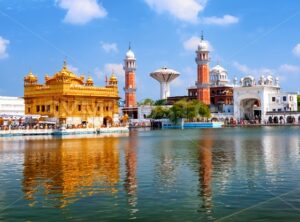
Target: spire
<point>65,63</point>
<point>129,48</point>
<point>202,36</point>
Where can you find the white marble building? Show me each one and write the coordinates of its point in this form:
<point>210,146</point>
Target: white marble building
<point>257,99</point>
<point>12,106</point>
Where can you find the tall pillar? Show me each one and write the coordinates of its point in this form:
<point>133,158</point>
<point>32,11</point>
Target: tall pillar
<point>130,84</point>
<point>202,83</point>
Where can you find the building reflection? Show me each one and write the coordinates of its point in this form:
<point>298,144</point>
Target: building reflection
<point>279,149</point>
<point>205,170</point>
<point>165,168</point>
<point>61,172</point>
<point>130,182</point>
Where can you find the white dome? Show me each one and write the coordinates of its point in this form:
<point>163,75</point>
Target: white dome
<point>218,76</point>
<point>218,68</point>
<point>203,46</point>
<point>130,54</point>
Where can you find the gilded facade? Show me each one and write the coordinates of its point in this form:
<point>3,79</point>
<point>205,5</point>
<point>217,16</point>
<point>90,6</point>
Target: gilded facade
<point>71,99</point>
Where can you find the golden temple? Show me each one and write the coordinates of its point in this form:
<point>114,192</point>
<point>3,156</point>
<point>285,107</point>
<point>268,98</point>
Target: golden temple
<point>70,99</point>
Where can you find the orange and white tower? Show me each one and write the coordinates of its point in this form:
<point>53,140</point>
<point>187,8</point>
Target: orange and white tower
<point>202,83</point>
<point>130,85</point>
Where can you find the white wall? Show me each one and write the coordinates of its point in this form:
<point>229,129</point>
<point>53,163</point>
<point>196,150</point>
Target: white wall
<point>12,106</point>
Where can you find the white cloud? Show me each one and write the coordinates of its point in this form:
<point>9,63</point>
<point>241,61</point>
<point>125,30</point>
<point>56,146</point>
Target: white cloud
<point>284,71</point>
<point>73,68</point>
<point>256,72</point>
<point>287,68</point>
<point>110,68</point>
<point>117,69</point>
<point>296,50</point>
<point>192,43</point>
<point>242,68</point>
<point>185,10</point>
<point>225,20</point>
<point>81,11</point>
<point>109,47</point>
<point>3,47</point>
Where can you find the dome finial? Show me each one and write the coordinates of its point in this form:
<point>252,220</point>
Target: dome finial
<point>202,35</point>
<point>65,63</point>
<point>129,48</point>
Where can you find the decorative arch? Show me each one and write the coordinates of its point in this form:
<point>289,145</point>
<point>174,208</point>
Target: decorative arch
<point>107,121</point>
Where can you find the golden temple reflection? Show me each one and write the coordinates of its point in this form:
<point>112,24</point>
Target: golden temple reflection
<point>72,168</point>
<point>205,170</point>
<point>131,168</point>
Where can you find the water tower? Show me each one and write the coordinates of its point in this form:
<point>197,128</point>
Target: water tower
<point>164,76</point>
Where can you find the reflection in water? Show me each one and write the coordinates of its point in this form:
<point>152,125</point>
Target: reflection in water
<point>64,171</point>
<point>205,171</point>
<point>225,171</point>
<point>274,158</point>
<point>166,170</point>
<point>131,168</point>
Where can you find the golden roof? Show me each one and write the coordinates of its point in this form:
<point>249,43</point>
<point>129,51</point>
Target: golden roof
<point>113,77</point>
<point>89,80</point>
<point>65,75</point>
<point>30,77</point>
<point>65,72</point>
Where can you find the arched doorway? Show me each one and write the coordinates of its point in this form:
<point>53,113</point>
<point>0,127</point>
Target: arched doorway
<point>107,121</point>
<point>298,119</point>
<point>290,119</point>
<point>250,109</point>
<point>214,119</point>
<point>220,105</point>
<point>270,119</point>
<point>281,119</point>
<point>275,120</point>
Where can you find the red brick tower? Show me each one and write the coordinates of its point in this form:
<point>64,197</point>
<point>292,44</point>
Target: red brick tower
<point>130,86</point>
<point>202,83</point>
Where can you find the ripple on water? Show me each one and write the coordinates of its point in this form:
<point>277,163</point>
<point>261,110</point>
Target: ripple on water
<point>178,175</point>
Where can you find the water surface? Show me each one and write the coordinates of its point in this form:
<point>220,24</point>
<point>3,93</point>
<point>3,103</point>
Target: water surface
<point>234,174</point>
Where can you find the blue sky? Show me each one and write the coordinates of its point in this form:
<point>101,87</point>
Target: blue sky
<point>247,37</point>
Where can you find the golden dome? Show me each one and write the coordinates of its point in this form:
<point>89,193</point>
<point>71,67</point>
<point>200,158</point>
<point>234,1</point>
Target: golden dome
<point>47,77</point>
<point>113,81</point>
<point>30,77</point>
<point>65,72</point>
<point>89,81</point>
<point>113,78</point>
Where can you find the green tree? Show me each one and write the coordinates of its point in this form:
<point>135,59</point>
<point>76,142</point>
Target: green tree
<point>160,102</point>
<point>147,101</point>
<point>203,110</point>
<point>178,111</point>
<point>159,112</point>
<point>189,110</point>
